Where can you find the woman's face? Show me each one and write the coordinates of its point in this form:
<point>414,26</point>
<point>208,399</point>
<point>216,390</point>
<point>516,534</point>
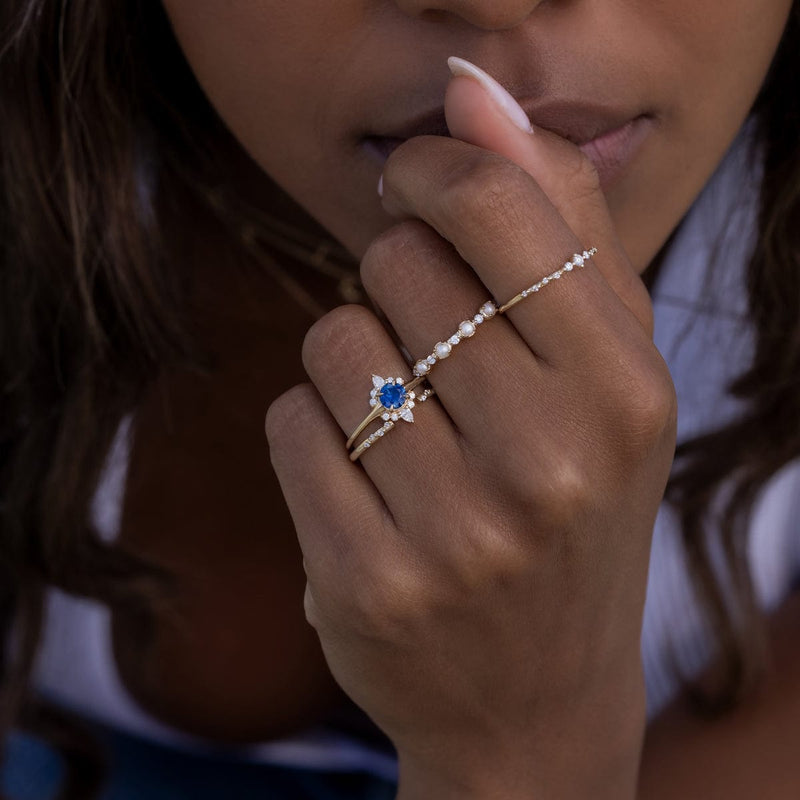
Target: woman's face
<point>318,93</point>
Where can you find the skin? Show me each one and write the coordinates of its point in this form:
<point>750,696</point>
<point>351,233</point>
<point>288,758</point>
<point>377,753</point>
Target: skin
<point>298,84</point>
<point>407,557</point>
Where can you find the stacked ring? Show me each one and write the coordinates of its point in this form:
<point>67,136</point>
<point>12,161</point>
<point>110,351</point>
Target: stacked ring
<point>392,399</point>
<point>388,425</point>
<point>578,260</point>
<point>466,330</point>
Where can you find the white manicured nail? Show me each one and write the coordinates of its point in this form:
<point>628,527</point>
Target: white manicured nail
<point>507,104</point>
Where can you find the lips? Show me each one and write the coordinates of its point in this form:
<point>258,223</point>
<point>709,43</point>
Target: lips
<point>612,151</point>
<point>608,136</point>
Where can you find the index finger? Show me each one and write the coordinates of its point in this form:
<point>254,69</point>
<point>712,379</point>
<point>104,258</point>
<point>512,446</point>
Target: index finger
<point>561,169</point>
<point>507,229</point>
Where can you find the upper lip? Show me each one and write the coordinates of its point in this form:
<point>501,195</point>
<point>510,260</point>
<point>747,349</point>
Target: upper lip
<point>577,121</point>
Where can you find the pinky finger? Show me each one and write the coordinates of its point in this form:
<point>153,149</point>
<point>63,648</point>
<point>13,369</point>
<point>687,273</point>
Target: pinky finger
<point>334,505</point>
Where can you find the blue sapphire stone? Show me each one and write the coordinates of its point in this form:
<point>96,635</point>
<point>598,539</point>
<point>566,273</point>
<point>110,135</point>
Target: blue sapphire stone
<point>392,395</point>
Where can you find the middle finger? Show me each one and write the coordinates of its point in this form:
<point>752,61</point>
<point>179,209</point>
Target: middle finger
<point>505,227</point>
<point>426,291</point>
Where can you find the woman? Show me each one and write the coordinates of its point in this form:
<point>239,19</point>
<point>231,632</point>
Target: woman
<point>517,491</point>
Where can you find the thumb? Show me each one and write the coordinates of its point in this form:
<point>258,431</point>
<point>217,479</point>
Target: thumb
<point>480,111</point>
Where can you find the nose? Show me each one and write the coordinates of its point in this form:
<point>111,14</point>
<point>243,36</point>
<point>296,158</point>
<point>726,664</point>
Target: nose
<point>490,15</point>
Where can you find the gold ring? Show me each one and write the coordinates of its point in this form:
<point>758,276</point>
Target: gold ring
<point>578,260</point>
<point>390,398</point>
<point>387,426</point>
<point>466,330</point>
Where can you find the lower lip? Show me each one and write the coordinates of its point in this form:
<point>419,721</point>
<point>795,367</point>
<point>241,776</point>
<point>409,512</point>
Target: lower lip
<point>612,152</point>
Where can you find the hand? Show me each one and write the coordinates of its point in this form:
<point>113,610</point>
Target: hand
<point>478,585</point>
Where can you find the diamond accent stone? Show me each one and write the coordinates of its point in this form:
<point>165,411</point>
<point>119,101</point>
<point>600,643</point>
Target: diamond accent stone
<point>478,318</point>
<point>454,339</point>
<point>577,260</point>
<point>407,415</point>
<point>431,360</point>
<point>421,368</point>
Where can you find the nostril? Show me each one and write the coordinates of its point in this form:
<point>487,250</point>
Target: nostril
<point>494,15</point>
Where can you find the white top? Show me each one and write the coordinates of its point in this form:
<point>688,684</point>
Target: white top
<point>703,335</point>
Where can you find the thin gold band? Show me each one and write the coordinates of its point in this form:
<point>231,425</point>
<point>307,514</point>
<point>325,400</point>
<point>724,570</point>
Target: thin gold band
<point>466,329</point>
<point>441,351</point>
<point>384,429</point>
<point>378,410</point>
<point>578,260</point>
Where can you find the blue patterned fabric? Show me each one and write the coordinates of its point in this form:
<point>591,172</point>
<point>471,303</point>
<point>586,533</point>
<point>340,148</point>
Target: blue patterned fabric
<point>140,770</point>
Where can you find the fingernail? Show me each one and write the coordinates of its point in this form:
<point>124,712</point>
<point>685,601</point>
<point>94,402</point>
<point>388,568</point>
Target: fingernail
<point>380,186</point>
<point>507,104</point>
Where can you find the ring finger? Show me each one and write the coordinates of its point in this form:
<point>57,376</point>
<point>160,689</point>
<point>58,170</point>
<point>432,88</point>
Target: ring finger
<point>341,353</point>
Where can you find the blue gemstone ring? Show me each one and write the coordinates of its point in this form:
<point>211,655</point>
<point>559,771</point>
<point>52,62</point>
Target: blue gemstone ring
<point>391,399</point>
<point>391,395</point>
<point>385,397</point>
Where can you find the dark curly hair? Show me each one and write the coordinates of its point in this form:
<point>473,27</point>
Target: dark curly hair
<point>102,130</point>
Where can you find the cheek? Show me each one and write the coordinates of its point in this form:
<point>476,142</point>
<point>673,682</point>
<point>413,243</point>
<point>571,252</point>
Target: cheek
<point>250,68</point>
<point>274,72</point>
<point>710,60</point>
<point>721,51</point>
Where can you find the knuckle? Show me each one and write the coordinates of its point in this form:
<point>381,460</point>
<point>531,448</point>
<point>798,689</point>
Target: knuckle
<point>547,483</point>
<point>384,607</point>
<point>337,338</point>
<point>577,172</point>
<point>411,244</point>
<point>564,494</point>
<point>548,480</point>
<point>583,176</point>
<point>649,406</point>
<point>293,424</point>
<point>290,411</point>
<point>485,185</point>
<point>492,555</point>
